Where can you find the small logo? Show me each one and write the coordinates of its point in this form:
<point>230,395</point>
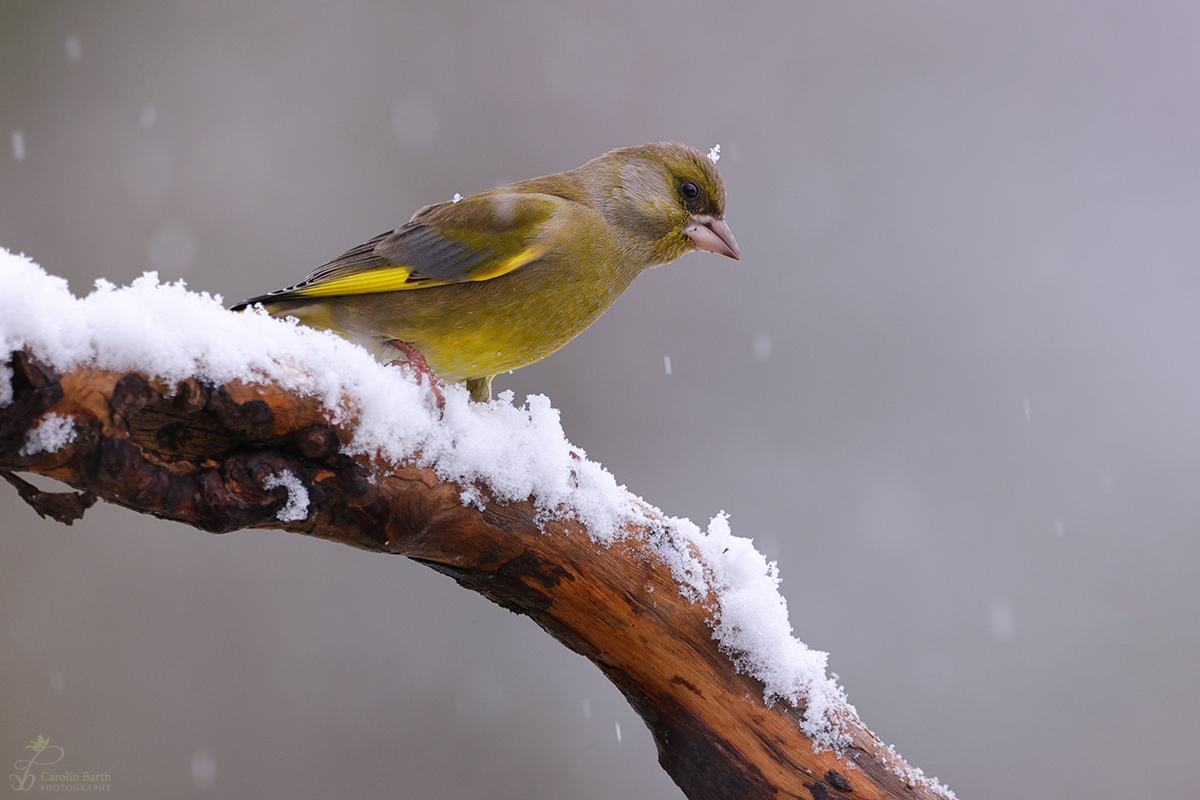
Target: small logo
<point>31,770</point>
<point>44,754</point>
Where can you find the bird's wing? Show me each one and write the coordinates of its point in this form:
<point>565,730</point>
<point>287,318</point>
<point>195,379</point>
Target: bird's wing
<point>478,238</point>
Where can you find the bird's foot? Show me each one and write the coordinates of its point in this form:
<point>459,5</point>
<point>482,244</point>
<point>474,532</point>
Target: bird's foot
<point>416,363</point>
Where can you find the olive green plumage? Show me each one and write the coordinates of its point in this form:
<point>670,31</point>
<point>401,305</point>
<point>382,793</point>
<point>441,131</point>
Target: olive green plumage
<point>501,279</point>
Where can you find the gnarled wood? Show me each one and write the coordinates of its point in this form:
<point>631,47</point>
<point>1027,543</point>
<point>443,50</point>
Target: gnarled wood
<point>201,454</point>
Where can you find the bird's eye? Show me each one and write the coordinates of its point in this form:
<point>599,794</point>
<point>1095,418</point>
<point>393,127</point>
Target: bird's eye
<point>689,190</point>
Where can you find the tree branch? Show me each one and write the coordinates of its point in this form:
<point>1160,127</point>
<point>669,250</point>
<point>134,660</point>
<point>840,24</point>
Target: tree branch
<point>205,455</point>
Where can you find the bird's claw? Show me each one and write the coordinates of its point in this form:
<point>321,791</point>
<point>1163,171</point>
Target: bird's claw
<point>415,361</point>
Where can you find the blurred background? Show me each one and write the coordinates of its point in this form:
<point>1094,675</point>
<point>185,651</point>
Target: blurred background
<point>952,387</point>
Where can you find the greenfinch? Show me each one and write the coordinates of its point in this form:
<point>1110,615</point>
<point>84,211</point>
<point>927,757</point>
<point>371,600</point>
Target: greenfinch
<point>480,285</point>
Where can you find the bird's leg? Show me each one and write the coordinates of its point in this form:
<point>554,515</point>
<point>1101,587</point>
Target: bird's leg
<point>480,388</point>
<point>420,367</point>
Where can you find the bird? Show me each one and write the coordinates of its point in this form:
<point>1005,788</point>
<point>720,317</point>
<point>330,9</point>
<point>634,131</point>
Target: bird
<point>477,286</point>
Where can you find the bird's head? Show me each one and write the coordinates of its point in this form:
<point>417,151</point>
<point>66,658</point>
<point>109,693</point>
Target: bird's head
<point>668,196</point>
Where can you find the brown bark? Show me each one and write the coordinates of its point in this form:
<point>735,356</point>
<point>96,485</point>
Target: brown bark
<point>199,454</point>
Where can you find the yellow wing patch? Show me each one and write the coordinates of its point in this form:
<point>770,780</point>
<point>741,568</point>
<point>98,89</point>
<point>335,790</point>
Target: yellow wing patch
<point>397,279</point>
<point>509,264</point>
<point>385,279</point>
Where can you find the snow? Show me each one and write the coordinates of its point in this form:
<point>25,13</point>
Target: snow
<point>751,623</point>
<point>761,347</point>
<point>204,768</point>
<point>74,48</point>
<point>52,433</point>
<point>714,154</point>
<point>914,776</point>
<point>296,508</point>
<point>510,452</point>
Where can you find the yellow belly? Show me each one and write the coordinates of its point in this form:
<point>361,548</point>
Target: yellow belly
<point>476,329</point>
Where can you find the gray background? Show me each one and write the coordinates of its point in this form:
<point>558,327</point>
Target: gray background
<point>952,385</point>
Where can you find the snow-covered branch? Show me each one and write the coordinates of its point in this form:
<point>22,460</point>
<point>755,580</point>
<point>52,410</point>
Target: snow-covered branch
<point>159,400</point>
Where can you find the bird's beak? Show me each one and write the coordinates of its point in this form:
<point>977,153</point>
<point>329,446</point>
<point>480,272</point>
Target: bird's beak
<point>713,234</point>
